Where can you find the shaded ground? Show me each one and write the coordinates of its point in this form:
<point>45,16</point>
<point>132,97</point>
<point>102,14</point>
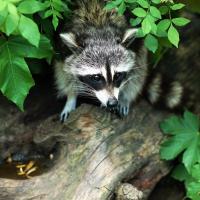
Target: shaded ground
<point>168,189</point>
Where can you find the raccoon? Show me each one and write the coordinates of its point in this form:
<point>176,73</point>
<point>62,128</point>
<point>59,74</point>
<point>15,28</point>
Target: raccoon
<point>175,83</point>
<point>106,61</point>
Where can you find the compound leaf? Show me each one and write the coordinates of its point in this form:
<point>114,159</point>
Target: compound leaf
<point>185,138</point>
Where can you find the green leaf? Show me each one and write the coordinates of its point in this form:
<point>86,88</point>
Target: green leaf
<point>172,125</point>
<point>192,121</point>
<point>11,23</point>
<point>193,190</point>
<point>24,49</point>
<point>58,5</point>
<point>151,43</point>
<point>130,1</point>
<point>186,138</point>
<point>180,21</point>
<point>12,19</point>
<point>163,10</point>
<point>173,36</point>
<point>122,8</point>
<point>155,12</point>
<point>192,154</point>
<point>195,172</point>
<point>143,3</point>
<point>12,9</point>
<point>14,1</point>
<point>139,12</point>
<point>163,25</point>
<point>117,2</point>
<point>48,13</point>
<point>180,173</point>
<point>153,28</point>
<point>146,25</point>
<point>3,5</point>
<point>29,30</point>
<point>135,22</point>
<point>16,79</point>
<point>152,20</point>
<point>156,1</point>
<point>177,6</point>
<point>110,6</point>
<point>30,6</point>
<point>55,21</point>
<point>174,146</point>
<point>139,33</point>
<point>3,15</point>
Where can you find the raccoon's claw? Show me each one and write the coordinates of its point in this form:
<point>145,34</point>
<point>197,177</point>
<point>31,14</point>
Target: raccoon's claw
<point>123,110</point>
<point>63,116</point>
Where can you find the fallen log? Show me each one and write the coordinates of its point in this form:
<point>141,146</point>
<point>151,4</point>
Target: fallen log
<point>100,156</point>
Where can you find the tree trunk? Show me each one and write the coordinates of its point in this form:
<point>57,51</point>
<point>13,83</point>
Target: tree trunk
<point>99,156</point>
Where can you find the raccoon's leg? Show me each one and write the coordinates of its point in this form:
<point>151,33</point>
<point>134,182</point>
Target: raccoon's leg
<point>127,95</point>
<point>69,105</point>
<point>123,105</point>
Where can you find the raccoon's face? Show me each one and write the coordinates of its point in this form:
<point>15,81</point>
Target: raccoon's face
<point>103,66</point>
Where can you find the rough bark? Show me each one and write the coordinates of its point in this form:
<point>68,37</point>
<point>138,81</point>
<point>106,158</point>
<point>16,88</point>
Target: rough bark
<point>97,154</point>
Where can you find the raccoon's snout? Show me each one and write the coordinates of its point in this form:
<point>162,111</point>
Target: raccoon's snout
<point>112,102</point>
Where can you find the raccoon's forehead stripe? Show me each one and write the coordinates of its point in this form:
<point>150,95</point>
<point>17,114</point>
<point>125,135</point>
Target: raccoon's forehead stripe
<point>112,71</point>
<point>104,73</point>
<point>108,72</point>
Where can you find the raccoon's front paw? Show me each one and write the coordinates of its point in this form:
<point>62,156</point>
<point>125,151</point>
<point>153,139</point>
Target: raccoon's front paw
<point>66,110</point>
<point>123,109</point>
<point>64,115</point>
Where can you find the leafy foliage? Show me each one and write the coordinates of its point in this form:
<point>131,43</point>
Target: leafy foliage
<point>153,19</point>
<point>27,27</point>
<point>184,142</point>
<point>21,37</point>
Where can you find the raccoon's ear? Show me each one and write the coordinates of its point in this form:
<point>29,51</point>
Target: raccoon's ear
<point>129,35</point>
<point>70,40</point>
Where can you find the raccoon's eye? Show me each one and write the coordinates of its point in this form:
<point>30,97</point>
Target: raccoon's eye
<point>82,45</point>
<point>96,77</point>
<point>119,76</point>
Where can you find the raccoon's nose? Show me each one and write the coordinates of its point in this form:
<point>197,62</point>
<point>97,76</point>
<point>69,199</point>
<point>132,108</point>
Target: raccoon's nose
<point>112,102</point>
